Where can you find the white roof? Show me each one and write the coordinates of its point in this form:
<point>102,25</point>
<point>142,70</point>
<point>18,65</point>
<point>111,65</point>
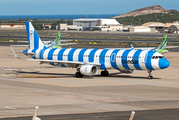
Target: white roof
<point>85,19</point>
<point>109,22</point>
<point>104,21</point>
<point>140,27</point>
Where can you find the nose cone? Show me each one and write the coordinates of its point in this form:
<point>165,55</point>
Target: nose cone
<point>163,63</point>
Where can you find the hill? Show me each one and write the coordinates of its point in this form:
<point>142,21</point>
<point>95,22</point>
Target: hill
<point>155,17</point>
<point>146,10</point>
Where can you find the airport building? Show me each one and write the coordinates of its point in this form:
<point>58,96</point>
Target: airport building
<point>12,25</point>
<point>103,24</point>
<point>156,25</point>
<point>141,29</point>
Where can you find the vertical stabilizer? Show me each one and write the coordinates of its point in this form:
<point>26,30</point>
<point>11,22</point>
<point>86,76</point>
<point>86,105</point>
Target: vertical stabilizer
<point>132,47</point>
<point>162,47</point>
<point>33,38</point>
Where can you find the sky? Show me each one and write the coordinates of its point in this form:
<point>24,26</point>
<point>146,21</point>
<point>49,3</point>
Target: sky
<point>63,7</point>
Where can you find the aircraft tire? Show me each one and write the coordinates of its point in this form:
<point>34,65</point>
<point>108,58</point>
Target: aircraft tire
<point>104,73</point>
<point>150,77</point>
<point>78,75</point>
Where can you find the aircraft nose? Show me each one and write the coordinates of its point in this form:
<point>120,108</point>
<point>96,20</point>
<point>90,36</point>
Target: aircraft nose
<point>163,63</point>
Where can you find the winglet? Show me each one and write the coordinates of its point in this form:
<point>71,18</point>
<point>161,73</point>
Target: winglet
<point>16,56</point>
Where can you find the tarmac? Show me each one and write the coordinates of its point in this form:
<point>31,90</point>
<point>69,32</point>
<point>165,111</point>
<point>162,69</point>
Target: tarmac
<point>59,94</point>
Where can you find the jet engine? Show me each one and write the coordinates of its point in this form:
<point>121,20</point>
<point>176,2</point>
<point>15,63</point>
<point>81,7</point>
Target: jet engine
<point>88,69</point>
<point>127,71</point>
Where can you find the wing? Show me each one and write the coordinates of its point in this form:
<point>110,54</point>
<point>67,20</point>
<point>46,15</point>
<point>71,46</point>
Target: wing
<point>55,61</point>
<point>64,62</point>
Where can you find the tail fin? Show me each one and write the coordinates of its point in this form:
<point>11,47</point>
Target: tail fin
<point>33,38</point>
<point>56,42</point>
<point>163,45</point>
<point>132,47</point>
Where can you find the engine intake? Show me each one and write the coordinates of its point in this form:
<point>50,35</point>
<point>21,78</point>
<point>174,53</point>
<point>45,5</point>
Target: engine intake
<point>88,69</point>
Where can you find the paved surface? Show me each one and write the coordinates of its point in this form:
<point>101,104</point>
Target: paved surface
<point>102,40</point>
<point>163,114</point>
<point>101,33</point>
<point>56,91</point>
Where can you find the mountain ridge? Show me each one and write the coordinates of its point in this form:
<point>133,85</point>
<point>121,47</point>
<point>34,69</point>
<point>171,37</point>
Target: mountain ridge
<point>146,10</point>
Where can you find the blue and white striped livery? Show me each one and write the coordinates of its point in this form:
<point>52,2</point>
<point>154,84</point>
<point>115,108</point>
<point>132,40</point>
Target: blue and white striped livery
<point>89,61</point>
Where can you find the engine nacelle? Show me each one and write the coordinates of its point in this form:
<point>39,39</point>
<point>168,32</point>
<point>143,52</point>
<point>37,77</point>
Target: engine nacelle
<point>127,71</point>
<point>88,69</point>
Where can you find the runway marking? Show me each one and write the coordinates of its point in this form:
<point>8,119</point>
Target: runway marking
<point>10,108</point>
<point>89,100</point>
<point>114,99</point>
<point>99,101</point>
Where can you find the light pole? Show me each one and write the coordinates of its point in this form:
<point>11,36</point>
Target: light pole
<point>157,23</point>
<point>66,19</point>
<point>139,21</point>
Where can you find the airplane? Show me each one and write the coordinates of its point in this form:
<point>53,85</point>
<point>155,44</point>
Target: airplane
<point>57,42</point>
<point>89,61</point>
<point>50,44</point>
<point>162,48</point>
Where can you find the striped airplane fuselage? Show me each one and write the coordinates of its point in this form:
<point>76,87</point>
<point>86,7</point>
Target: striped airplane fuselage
<point>108,58</point>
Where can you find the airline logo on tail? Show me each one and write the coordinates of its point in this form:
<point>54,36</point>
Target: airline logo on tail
<point>33,38</point>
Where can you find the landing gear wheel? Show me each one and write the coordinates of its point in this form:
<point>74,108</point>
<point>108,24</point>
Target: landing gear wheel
<point>104,73</point>
<point>150,75</point>
<point>78,75</point>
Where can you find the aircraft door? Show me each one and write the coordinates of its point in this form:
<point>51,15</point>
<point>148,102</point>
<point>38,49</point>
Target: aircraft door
<point>144,58</point>
<point>113,57</point>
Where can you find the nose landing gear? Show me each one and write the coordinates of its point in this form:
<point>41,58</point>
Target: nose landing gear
<point>150,74</point>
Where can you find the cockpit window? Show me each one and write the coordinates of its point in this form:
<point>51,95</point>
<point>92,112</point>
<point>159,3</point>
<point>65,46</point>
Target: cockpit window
<point>157,57</point>
<point>161,57</point>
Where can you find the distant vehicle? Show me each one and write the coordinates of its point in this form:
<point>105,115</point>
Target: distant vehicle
<point>88,61</point>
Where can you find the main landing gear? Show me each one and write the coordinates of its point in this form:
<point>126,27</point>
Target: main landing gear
<point>104,73</point>
<point>78,75</point>
<point>150,75</point>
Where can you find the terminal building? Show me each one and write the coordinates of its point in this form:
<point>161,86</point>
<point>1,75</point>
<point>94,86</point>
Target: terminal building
<point>103,24</point>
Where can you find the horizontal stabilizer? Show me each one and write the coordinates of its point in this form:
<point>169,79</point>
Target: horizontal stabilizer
<point>68,44</point>
<point>19,45</point>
